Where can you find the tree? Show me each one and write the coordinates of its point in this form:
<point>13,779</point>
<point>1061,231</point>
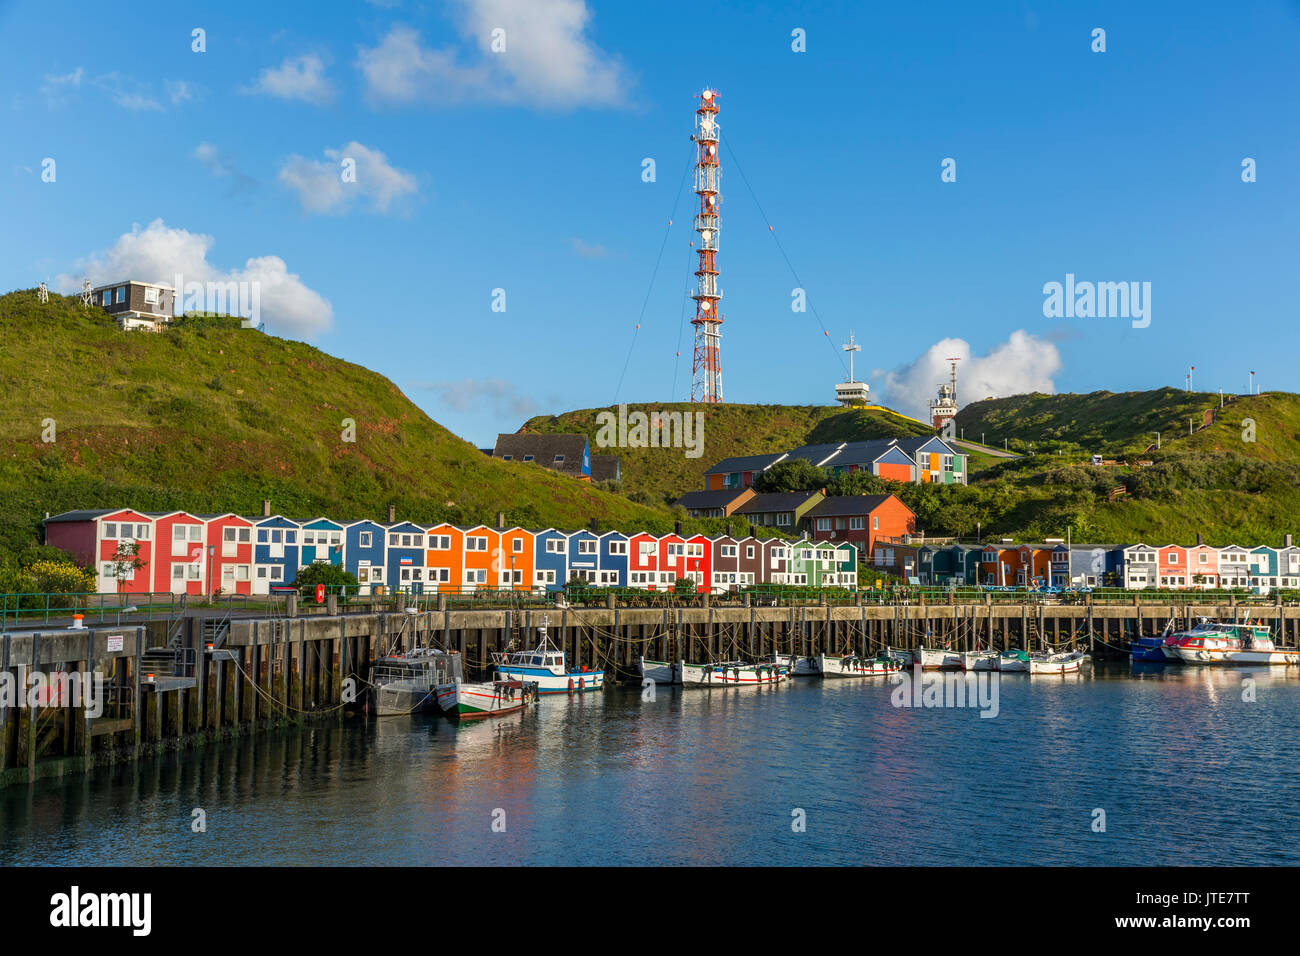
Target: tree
<point>330,575</point>
<point>684,587</point>
<point>125,562</point>
<point>859,483</point>
<point>791,476</point>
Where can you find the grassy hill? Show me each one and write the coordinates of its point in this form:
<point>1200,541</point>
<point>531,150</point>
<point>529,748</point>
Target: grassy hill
<point>209,417</point>
<point>659,474</point>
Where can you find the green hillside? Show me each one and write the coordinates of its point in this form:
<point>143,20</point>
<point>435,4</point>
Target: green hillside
<point>209,417</point>
<point>659,474</point>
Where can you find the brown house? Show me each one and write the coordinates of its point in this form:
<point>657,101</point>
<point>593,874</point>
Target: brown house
<point>714,504</point>
<point>737,562</point>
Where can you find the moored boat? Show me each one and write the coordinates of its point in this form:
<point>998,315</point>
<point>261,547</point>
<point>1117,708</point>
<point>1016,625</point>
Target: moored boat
<point>798,666</point>
<point>408,681</point>
<point>937,658</point>
<point>733,674</point>
<point>1014,661</point>
<point>465,701</point>
<point>986,660</point>
<point>1210,642</point>
<point>1066,662</point>
<point>661,672</point>
<point>854,666</point>
<point>544,665</point>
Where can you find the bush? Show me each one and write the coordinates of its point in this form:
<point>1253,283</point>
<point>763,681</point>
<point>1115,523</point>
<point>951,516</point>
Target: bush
<point>50,577</point>
<point>330,575</point>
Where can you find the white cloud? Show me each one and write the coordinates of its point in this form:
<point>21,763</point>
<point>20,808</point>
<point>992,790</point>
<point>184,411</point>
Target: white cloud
<point>128,93</point>
<point>297,78</point>
<point>320,185</point>
<point>589,251</point>
<point>475,394</point>
<point>178,91</point>
<point>1023,363</point>
<point>548,60</point>
<point>157,253</point>
<point>220,165</point>
<point>59,88</point>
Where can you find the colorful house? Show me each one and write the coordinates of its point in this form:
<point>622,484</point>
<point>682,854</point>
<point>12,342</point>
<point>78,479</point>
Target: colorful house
<point>321,542</point>
<point>405,556</point>
<point>180,559</point>
<point>1203,567</point>
<point>776,561</point>
<point>275,553</point>
<point>737,563</point>
<point>861,519</point>
<point>1234,567</point>
<point>551,560</point>
<point>516,560</point>
<point>481,558</point>
<point>230,538</point>
<point>643,563</point>
<point>714,504</point>
<point>584,556</point>
<point>1263,569</point>
<point>444,557</point>
<point>1141,567</point>
<point>364,546</point>
<point>1288,564</point>
<point>1171,566</point>
<point>779,510</point>
<point>1096,565</point>
<point>96,537</point>
<point>614,548</point>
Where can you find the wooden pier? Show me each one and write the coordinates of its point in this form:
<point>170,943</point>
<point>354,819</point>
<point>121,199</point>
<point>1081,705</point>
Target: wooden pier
<point>171,687</point>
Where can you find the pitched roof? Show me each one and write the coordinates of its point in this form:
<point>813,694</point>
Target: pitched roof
<point>605,468</point>
<point>709,499</point>
<point>777,501</point>
<point>544,447</point>
<point>848,505</point>
<point>86,514</point>
<point>746,463</point>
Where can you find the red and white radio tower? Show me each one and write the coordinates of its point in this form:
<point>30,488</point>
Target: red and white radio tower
<point>706,370</point>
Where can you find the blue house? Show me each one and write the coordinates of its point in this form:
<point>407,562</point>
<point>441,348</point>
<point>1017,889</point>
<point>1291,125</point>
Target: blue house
<point>550,560</point>
<point>365,552</point>
<point>275,553</point>
<point>322,542</point>
<point>584,556</point>
<point>405,557</point>
<point>613,559</point>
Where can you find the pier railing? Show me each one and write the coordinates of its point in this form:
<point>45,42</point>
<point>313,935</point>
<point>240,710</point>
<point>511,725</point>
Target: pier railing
<point>40,608</point>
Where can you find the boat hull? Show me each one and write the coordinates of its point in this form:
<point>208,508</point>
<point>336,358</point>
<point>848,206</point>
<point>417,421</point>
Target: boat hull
<point>661,672</point>
<point>1189,655</point>
<point>548,682</point>
<point>732,675</point>
<point>1056,665</point>
<point>798,666</point>
<point>857,666</point>
<point>935,658</point>
<point>1013,665</point>
<point>1148,649</point>
<point>979,660</point>
<point>466,701</point>
<point>403,697</point>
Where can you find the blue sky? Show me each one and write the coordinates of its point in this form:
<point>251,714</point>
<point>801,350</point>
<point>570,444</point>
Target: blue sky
<point>522,170</point>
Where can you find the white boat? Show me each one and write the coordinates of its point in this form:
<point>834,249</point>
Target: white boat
<point>854,666</point>
<point>1216,643</point>
<point>544,665</point>
<point>1066,662</point>
<point>465,701</point>
<point>661,672</point>
<point>733,674</point>
<point>1013,662</point>
<point>798,666</point>
<point>406,682</point>
<point>979,660</point>
<point>937,658</point>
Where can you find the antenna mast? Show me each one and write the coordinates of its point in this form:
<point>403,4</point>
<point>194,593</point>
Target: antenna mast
<point>706,369</point>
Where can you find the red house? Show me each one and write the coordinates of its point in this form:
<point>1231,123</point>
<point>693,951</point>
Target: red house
<point>96,537</point>
<point>180,555</point>
<point>643,562</point>
<point>860,519</point>
<point>231,538</point>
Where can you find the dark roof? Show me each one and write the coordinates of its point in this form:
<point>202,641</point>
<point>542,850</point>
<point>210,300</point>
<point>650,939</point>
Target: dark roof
<point>605,468</point>
<point>848,505</point>
<point>763,504</point>
<point>544,447</point>
<point>745,463</point>
<point>709,499</point>
<point>83,515</point>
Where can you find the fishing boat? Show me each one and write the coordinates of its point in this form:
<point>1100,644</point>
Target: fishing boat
<point>937,658</point>
<point>544,665</point>
<point>408,681</point>
<point>1066,662</point>
<point>854,666</point>
<point>1152,649</point>
<point>465,701</point>
<point>798,666</point>
<point>985,660</point>
<point>1210,642</point>
<point>1014,661</point>
<point>661,672</point>
<point>733,674</point>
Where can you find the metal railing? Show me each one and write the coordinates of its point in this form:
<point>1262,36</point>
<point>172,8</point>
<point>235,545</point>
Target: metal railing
<point>41,608</point>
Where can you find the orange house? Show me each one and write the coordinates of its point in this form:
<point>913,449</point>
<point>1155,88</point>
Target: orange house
<point>481,557</point>
<point>444,561</point>
<point>515,560</point>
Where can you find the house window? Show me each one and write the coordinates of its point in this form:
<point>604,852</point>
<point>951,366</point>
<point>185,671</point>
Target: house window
<point>728,550</point>
<point>856,524</point>
<point>363,539</point>
<point>554,546</point>
<point>618,547</point>
<point>507,457</point>
<point>947,463</point>
<point>261,572</point>
<point>142,532</point>
<point>517,544</point>
<point>290,537</point>
<point>277,573</point>
<point>559,459</point>
<point>528,457</point>
<point>476,544</point>
<point>121,295</point>
<point>178,572</point>
<point>875,522</point>
<point>586,547</point>
<point>823,524</point>
<point>193,572</point>
<point>783,519</point>
<point>749,551</point>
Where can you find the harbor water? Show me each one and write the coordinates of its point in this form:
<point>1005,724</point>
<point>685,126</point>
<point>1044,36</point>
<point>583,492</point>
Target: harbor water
<point>1122,765</point>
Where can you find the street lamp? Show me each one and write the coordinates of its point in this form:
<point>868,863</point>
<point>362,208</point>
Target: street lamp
<point>211,550</point>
